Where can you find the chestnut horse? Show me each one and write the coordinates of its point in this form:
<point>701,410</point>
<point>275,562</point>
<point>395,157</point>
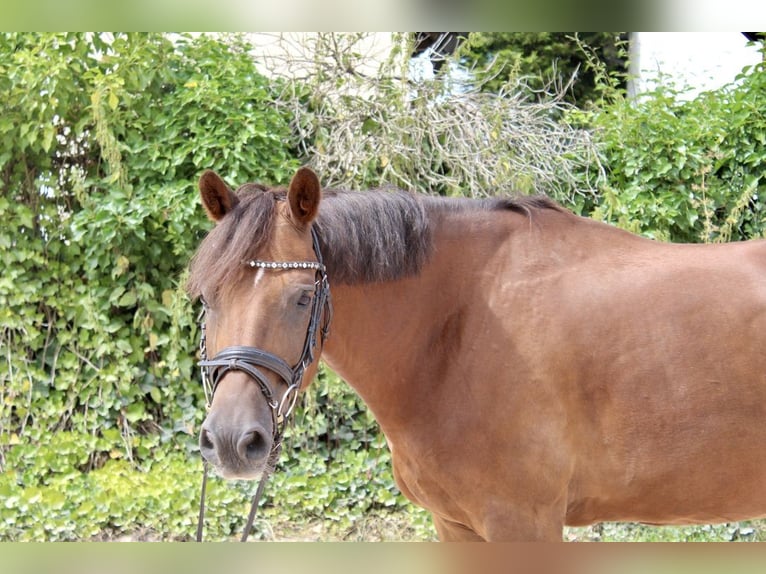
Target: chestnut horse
<point>529,368</point>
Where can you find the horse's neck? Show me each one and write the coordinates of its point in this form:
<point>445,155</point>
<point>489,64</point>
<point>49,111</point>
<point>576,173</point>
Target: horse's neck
<point>391,339</point>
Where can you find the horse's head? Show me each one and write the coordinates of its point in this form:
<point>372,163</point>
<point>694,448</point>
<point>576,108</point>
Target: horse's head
<point>266,298</point>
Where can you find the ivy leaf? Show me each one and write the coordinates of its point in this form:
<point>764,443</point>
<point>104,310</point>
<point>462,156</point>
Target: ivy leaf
<point>121,265</point>
<point>48,132</point>
<point>128,299</point>
<point>135,412</point>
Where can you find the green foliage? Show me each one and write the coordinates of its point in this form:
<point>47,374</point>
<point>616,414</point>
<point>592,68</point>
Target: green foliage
<point>102,138</point>
<point>545,57</point>
<point>335,463</point>
<point>45,497</point>
<point>683,170</point>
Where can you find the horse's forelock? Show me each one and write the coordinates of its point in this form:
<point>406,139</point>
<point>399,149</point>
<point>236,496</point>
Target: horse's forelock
<point>218,263</point>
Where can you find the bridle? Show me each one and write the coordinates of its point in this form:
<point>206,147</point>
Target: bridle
<point>251,360</point>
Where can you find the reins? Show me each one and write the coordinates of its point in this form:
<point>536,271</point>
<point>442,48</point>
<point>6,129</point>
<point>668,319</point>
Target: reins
<point>250,360</point>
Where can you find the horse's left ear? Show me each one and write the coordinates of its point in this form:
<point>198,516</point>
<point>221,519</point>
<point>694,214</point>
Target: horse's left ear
<point>303,195</point>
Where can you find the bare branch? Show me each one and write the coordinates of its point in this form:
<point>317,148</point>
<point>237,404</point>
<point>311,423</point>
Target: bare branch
<point>360,120</point>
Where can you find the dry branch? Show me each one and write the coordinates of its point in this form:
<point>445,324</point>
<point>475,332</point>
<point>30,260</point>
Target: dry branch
<point>361,119</point>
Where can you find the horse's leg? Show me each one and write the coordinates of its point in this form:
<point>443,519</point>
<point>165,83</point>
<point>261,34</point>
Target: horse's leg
<point>542,523</point>
<point>536,526</point>
<point>449,531</point>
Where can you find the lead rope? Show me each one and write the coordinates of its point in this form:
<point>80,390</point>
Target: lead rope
<point>201,519</point>
<point>254,507</point>
<point>250,516</point>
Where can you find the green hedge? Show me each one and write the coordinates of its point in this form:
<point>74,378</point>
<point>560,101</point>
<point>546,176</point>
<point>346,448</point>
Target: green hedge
<point>335,471</point>
<point>684,170</point>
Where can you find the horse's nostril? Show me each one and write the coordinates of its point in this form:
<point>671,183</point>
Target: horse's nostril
<point>206,442</point>
<point>252,445</point>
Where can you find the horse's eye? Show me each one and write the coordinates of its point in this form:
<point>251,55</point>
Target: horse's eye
<point>304,300</point>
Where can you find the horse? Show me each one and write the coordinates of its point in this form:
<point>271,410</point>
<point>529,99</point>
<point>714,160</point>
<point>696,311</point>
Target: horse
<point>529,368</point>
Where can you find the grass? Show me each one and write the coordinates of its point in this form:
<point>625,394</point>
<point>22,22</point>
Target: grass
<point>753,531</point>
<point>415,526</point>
<point>400,527</point>
<point>374,527</point>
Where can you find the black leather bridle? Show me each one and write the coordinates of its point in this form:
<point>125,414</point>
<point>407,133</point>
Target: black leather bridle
<point>252,360</point>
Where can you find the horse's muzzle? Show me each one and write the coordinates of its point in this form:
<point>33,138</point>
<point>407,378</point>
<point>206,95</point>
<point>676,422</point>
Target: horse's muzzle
<point>236,453</point>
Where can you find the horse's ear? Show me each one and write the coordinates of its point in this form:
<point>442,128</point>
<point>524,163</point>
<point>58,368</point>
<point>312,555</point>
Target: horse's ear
<point>217,198</point>
<point>303,196</point>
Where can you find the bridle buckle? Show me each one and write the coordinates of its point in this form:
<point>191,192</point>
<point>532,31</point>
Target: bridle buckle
<point>290,397</point>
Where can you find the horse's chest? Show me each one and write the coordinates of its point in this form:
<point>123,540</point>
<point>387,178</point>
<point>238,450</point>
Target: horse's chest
<point>422,480</point>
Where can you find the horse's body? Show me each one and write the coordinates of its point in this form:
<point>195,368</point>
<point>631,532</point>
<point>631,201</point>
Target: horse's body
<point>531,368</point>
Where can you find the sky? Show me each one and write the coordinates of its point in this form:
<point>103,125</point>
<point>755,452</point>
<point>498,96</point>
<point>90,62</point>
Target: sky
<point>703,60</point>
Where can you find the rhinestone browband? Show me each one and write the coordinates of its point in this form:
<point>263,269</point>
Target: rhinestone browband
<point>287,265</point>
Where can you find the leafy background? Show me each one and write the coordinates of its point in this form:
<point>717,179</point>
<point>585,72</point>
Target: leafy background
<point>102,139</point>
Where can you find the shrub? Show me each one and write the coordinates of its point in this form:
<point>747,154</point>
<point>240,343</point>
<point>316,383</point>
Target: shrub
<point>363,125</point>
<point>102,139</point>
<point>685,171</point>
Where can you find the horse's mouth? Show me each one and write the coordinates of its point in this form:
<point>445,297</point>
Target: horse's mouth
<point>239,471</point>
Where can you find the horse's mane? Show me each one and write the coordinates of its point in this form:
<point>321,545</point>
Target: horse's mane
<point>365,237</point>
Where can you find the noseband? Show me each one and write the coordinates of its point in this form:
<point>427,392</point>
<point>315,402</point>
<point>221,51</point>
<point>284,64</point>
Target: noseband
<point>250,360</point>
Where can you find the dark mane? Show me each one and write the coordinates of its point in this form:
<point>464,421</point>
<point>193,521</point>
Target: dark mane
<point>384,235</point>
<point>373,236</point>
<point>365,237</point>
